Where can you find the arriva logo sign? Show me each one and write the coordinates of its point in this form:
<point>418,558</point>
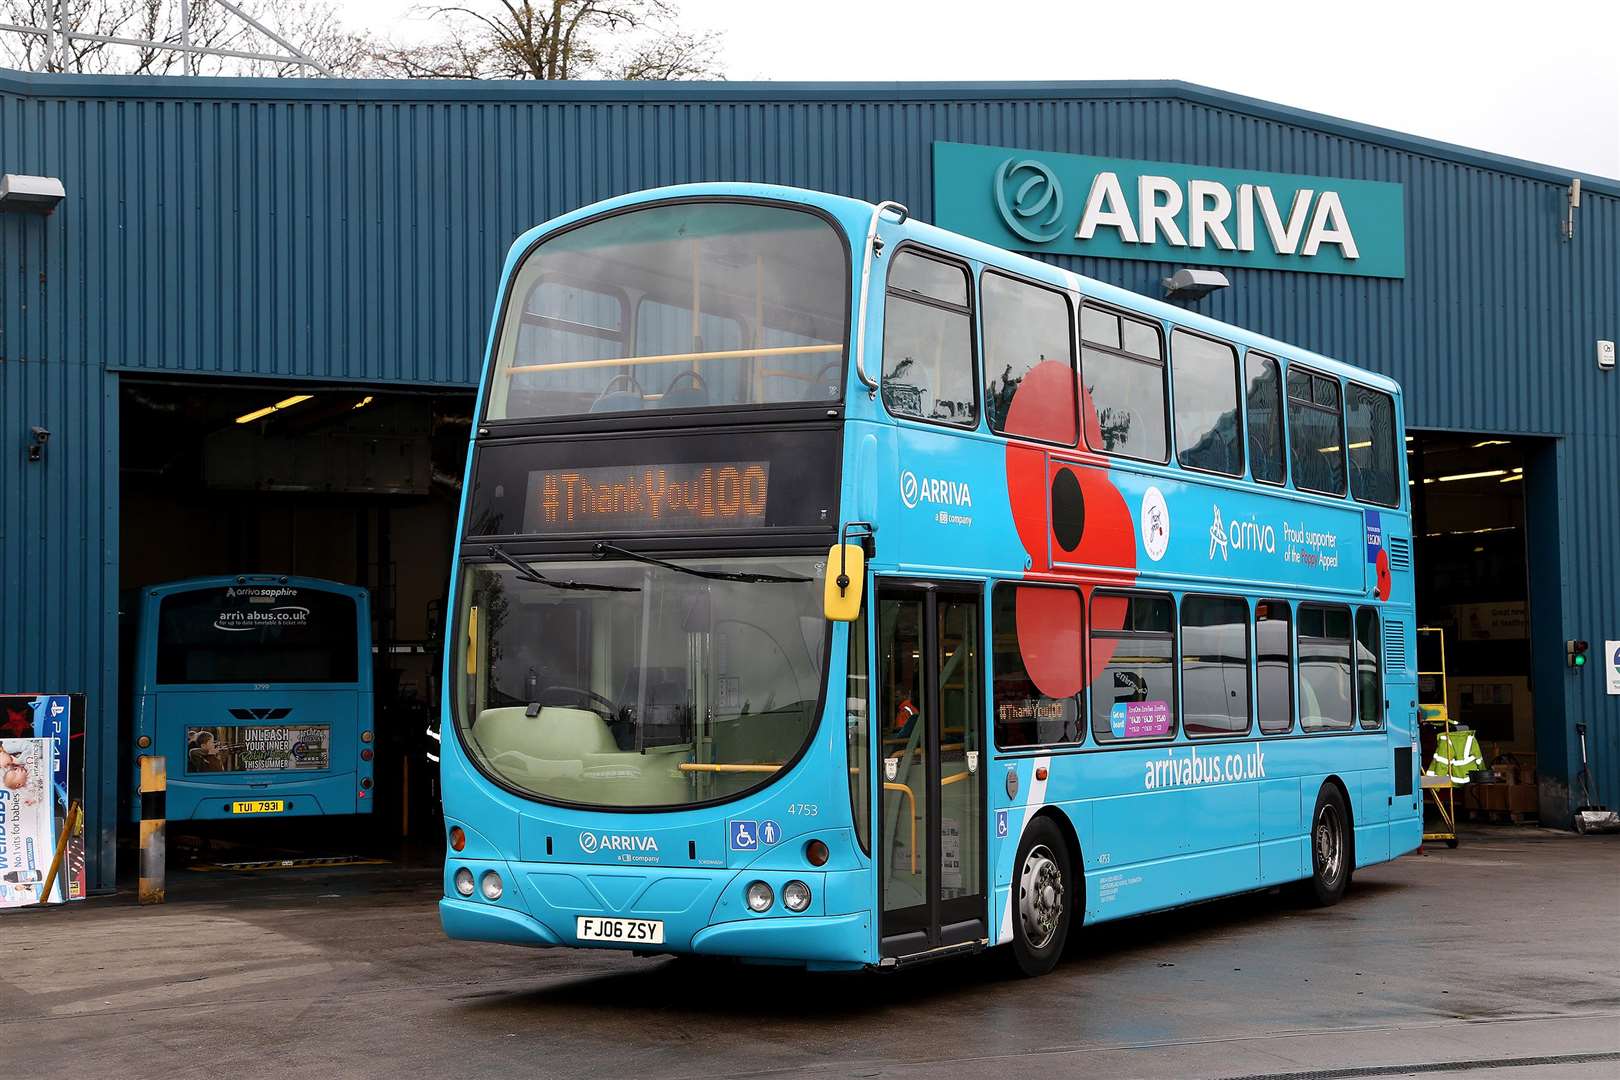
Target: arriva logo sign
<point>938,492</point>
<point>1066,203</point>
<point>590,842</point>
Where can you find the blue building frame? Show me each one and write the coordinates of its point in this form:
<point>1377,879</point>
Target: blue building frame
<point>351,232</point>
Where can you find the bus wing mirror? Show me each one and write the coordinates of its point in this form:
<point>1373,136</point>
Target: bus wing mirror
<point>846,571</point>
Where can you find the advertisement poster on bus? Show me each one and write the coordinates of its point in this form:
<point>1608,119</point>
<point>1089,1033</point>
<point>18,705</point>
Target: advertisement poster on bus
<point>26,840</point>
<point>258,748</point>
<point>59,718</point>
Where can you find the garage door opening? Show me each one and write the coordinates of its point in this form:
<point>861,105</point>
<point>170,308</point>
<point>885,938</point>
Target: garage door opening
<point>354,485</point>
<point>1468,500</point>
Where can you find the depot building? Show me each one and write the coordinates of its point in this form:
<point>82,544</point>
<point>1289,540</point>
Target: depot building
<point>241,323</point>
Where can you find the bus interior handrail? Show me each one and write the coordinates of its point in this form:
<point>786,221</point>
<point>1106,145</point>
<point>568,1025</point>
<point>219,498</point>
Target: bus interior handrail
<point>686,357</point>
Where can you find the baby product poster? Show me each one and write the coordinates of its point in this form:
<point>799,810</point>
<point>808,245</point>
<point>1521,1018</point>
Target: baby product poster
<point>26,843</point>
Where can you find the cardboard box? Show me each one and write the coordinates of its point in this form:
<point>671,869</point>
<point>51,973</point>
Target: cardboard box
<point>1522,798</point>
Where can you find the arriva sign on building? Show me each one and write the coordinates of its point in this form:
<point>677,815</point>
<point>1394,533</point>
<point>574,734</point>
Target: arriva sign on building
<point>1111,208</point>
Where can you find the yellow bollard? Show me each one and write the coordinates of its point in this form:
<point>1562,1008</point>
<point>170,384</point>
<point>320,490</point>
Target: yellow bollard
<point>154,794</point>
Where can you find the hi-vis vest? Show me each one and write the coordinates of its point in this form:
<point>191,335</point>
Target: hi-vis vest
<point>1455,756</point>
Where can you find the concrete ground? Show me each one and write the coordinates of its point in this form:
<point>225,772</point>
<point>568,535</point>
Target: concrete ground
<point>1500,959</point>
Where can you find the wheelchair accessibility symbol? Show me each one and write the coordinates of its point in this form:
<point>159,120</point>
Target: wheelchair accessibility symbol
<point>745,835</point>
<point>1001,823</point>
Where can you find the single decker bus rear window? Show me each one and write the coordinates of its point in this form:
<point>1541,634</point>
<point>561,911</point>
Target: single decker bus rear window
<point>257,634</point>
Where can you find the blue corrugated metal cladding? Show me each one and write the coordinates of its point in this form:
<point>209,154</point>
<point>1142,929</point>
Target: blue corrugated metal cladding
<point>352,232</point>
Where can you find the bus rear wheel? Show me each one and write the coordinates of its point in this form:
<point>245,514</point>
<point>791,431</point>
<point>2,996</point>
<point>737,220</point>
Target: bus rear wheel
<point>1043,898</point>
<point>1332,857</point>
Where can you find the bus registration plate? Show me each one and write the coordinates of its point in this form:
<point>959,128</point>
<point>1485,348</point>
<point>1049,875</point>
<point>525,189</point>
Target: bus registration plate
<point>639,931</point>
<point>258,806</point>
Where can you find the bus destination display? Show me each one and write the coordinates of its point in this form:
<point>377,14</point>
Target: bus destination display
<point>646,498</point>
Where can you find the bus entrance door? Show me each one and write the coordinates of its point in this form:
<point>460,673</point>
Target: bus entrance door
<point>931,829</point>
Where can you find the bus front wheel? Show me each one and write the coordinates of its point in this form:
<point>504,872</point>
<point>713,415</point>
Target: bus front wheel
<point>1043,898</point>
<point>1332,857</point>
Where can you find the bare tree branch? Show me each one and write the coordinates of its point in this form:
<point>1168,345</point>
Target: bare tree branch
<point>314,24</point>
<point>555,39</point>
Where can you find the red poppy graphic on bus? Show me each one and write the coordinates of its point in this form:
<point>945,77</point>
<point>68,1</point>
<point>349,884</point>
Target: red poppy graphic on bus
<point>1072,513</point>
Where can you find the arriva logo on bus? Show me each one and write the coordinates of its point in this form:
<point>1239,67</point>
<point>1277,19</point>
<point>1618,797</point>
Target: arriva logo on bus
<point>1111,208</point>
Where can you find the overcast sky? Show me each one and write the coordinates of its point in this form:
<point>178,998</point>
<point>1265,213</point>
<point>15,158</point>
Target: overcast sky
<point>1536,81</point>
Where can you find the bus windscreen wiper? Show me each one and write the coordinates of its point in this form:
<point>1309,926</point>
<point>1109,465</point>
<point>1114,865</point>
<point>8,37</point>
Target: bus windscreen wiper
<point>531,574</point>
<point>711,575</point>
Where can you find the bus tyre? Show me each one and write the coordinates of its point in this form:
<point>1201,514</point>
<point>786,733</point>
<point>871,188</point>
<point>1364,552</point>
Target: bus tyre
<point>1331,853</point>
<point>1044,894</point>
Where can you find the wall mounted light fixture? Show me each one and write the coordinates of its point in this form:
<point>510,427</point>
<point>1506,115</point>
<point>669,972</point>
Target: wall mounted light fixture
<point>30,194</point>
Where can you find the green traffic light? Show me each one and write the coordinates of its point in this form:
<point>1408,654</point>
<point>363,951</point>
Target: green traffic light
<point>1580,659</point>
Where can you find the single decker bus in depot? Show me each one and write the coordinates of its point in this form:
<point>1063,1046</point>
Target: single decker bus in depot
<point>256,691</point>
<point>833,589</point>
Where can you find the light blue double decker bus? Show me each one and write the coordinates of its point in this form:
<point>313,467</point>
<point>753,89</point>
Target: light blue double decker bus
<point>256,691</point>
<point>832,589</point>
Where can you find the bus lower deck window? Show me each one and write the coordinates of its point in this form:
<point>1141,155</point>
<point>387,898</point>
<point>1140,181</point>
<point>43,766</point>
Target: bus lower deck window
<point>1133,675</point>
<point>1325,692</point>
<point>1214,665</point>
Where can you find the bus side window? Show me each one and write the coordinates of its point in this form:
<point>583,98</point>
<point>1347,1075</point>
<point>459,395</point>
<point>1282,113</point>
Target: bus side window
<point>1274,642</point>
<point>1374,473</point>
<point>1315,432</point>
<point>1369,679</point>
<point>1028,359</point>
<point>1265,419</point>
<point>928,370</point>
<point>1209,425</point>
<point>1214,665</point>
<point>1036,652</point>
<point>1133,671</point>
<point>1122,378</point>
<point>1325,693</point>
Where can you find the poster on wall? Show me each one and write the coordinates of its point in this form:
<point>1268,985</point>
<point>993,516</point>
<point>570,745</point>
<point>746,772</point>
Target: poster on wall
<point>1507,620</point>
<point>58,718</point>
<point>1611,665</point>
<point>26,839</point>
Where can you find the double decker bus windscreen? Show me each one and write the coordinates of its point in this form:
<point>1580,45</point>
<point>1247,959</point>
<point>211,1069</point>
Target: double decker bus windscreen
<point>677,306</point>
<point>620,683</point>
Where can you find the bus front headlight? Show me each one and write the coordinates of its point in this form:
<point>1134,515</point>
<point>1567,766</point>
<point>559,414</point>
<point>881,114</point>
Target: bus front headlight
<point>796,896</point>
<point>760,897</point>
<point>491,884</point>
<point>464,881</point>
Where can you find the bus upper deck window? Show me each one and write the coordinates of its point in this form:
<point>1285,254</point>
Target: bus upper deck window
<point>1028,360</point>
<point>1209,427</point>
<point>1316,434</point>
<point>675,306</point>
<point>1123,396</point>
<point>928,369</point>
<point>1264,393</point>
<point>1370,422</point>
